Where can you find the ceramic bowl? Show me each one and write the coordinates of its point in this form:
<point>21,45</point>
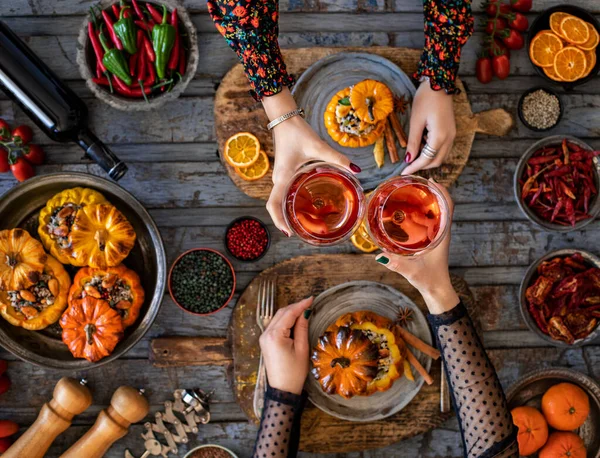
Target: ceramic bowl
<point>520,108</point>
<point>244,218</point>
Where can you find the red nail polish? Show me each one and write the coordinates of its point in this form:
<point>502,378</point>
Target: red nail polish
<point>407,158</point>
<point>355,168</point>
<point>284,233</point>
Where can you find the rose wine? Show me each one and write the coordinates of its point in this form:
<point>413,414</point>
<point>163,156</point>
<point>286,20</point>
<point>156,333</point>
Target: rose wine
<point>406,215</point>
<point>324,204</point>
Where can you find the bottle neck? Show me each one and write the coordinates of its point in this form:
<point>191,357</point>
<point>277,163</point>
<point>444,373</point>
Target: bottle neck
<point>99,152</point>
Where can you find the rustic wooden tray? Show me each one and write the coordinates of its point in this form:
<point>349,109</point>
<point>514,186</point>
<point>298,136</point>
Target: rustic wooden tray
<point>236,111</point>
<point>298,278</point>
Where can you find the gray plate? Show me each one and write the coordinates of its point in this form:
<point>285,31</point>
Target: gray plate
<point>528,391</point>
<point>323,79</point>
<point>20,207</point>
<point>383,300</point>
<point>527,282</point>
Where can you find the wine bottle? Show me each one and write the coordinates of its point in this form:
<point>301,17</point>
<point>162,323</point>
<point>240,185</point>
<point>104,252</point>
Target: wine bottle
<point>49,102</point>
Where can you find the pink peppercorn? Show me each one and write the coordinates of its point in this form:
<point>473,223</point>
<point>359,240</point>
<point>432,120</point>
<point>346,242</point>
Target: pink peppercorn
<point>247,239</point>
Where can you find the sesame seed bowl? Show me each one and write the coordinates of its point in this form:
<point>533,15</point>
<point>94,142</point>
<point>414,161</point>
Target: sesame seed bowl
<point>540,109</point>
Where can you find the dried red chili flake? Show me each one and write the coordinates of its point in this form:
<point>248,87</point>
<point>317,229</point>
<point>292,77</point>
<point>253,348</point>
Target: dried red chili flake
<point>558,184</point>
<point>247,239</point>
<point>564,298</point>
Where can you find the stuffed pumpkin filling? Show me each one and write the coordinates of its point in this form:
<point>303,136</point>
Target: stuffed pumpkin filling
<point>110,288</point>
<point>37,298</point>
<point>61,222</point>
<point>349,122</point>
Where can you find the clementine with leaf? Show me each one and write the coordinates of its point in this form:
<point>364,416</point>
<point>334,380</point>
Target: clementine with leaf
<point>533,429</point>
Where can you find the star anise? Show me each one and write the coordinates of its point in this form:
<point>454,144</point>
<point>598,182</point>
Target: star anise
<point>400,104</point>
<point>404,316</point>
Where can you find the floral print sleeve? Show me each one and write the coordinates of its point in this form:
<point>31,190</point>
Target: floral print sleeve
<point>251,30</point>
<point>448,26</point>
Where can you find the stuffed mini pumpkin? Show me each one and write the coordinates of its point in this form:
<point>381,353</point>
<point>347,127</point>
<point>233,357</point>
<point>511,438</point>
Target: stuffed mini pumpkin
<point>101,236</point>
<point>119,286</point>
<point>91,329</point>
<point>358,355</point>
<point>57,217</point>
<point>22,260</point>
<point>40,305</point>
<point>345,127</point>
<point>372,101</point>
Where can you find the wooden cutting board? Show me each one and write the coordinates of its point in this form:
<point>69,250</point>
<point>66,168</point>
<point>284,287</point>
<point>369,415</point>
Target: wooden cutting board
<point>298,278</point>
<point>237,111</point>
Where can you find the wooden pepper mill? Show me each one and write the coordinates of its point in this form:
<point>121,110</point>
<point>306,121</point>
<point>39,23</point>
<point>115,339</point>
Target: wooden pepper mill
<point>70,398</point>
<point>127,406</point>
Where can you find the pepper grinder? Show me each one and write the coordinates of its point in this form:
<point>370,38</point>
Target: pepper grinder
<point>70,398</point>
<point>127,406</point>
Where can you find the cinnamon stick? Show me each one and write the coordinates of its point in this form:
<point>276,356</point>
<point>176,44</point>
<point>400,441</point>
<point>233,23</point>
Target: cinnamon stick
<point>390,142</point>
<point>417,343</point>
<point>420,369</point>
<point>398,130</point>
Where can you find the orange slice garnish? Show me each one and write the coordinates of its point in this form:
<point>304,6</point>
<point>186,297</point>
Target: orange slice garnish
<point>574,30</point>
<point>593,40</point>
<point>570,63</point>
<point>543,48</point>
<point>590,57</point>
<point>255,171</point>
<point>555,20</point>
<point>361,240</point>
<point>550,73</point>
<point>242,149</point>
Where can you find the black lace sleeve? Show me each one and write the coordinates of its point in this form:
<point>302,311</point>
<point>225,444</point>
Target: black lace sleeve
<point>279,432</point>
<point>485,421</point>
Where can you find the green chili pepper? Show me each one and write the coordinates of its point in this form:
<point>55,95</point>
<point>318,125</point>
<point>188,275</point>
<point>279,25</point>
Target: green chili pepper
<point>127,32</point>
<point>163,39</point>
<point>115,62</point>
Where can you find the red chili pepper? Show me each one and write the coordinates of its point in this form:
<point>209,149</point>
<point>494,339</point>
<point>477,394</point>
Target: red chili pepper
<point>111,30</point>
<point>102,81</point>
<point>127,13</point>
<point>138,10</point>
<point>570,211</point>
<point>141,70</point>
<point>566,151</point>
<point>151,77</point>
<point>542,159</point>
<point>156,16</point>
<point>143,25</point>
<point>560,172</point>
<point>96,45</point>
<point>536,196</point>
<point>123,89</point>
<point>181,61</point>
<point>175,54</point>
<point>116,10</point>
<point>557,209</point>
<point>149,50</point>
<point>133,60</point>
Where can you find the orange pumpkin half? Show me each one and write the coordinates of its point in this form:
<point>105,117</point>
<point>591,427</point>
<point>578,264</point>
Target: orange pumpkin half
<point>563,444</point>
<point>565,406</point>
<point>533,429</point>
<point>119,286</point>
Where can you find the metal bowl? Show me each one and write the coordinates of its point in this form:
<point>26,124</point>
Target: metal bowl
<point>189,454</point>
<point>529,274</point>
<point>528,391</point>
<point>20,207</point>
<point>531,216</point>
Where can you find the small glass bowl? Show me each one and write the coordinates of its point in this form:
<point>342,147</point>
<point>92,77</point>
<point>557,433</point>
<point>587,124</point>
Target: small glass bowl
<point>375,208</point>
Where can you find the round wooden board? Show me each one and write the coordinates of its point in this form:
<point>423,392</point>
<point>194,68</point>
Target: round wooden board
<point>310,275</point>
<point>237,111</point>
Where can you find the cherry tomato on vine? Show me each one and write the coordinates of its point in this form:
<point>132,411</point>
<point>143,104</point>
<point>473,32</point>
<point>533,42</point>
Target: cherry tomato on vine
<point>22,135</point>
<point>483,70</point>
<point>495,25</point>
<point>501,66</point>
<point>517,21</point>
<point>491,7</point>
<point>4,165</point>
<point>497,48</point>
<point>34,154</point>
<point>522,6</point>
<point>513,39</point>
<point>4,130</point>
<point>22,170</point>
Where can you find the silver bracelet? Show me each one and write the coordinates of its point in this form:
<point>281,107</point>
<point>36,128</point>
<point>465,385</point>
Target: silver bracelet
<point>285,117</point>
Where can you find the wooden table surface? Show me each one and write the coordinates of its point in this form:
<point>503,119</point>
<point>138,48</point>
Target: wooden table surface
<point>175,172</point>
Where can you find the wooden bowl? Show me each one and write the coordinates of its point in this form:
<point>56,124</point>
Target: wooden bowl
<point>20,207</point>
<point>528,391</point>
<point>85,55</point>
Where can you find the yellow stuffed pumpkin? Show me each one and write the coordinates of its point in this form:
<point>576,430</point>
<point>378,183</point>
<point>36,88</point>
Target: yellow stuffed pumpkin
<point>22,259</point>
<point>57,217</point>
<point>372,101</point>
<point>101,236</point>
<point>345,127</point>
<point>40,305</point>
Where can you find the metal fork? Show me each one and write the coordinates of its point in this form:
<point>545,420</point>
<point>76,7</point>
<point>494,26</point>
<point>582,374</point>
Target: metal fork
<point>265,309</point>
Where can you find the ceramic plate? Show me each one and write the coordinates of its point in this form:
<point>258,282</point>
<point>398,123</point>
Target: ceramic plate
<point>322,80</point>
<point>383,300</point>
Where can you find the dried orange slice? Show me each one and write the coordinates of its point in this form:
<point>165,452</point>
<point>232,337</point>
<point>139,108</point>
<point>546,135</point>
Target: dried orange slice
<point>550,73</point>
<point>555,20</point>
<point>255,171</point>
<point>570,63</point>
<point>590,57</point>
<point>593,40</point>
<point>362,240</point>
<point>574,30</point>
<point>242,149</point>
<point>543,48</point>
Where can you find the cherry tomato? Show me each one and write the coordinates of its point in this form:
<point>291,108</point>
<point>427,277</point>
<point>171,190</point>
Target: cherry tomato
<point>497,48</point>
<point>22,170</point>
<point>4,130</point>
<point>513,39</point>
<point>4,384</point>
<point>8,428</point>
<point>34,154</point>
<point>501,66</point>
<point>4,165</point>
<point>522,6</point>
<point>5,443</point>
<point>483,70</point>
<point>500,24</point>
<point>22,135</point>
<point>517,21</point>
<point>491,7</point>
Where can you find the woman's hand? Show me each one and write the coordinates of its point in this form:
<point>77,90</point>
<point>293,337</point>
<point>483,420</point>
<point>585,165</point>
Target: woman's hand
<point>428,272</point>
<point>295,144</point>
<point>432,110</point>
<point>286,357</point>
